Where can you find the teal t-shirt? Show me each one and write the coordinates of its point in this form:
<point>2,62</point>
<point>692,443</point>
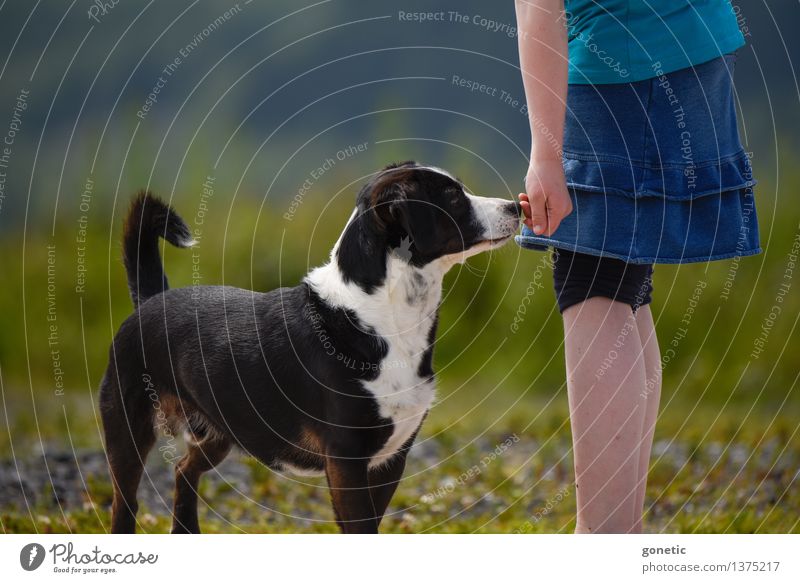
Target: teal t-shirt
<point>621,41</point>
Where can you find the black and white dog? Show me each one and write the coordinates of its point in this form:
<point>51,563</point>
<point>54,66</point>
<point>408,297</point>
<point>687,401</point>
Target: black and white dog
<point>331,377</point>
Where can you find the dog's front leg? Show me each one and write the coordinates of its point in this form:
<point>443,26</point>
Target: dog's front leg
<point>349,484</point>
<point>383,482</point>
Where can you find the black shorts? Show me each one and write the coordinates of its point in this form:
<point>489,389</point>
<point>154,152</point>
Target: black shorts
<point>578,277</point>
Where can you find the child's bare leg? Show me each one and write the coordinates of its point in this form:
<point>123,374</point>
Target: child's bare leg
<point>605,379</point>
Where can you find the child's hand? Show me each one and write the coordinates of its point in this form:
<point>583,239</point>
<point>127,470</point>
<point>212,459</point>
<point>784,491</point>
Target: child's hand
<point>547,201</point>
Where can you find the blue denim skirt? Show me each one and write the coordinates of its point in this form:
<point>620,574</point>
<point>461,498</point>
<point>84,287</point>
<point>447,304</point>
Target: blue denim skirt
<point>656,171</point>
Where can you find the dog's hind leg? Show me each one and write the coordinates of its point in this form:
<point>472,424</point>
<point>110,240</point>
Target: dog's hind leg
<point>129,435</point>
<point>203,454</point>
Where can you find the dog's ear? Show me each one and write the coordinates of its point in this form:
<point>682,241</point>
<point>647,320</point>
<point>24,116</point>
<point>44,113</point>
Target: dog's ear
<point>416,216</point>
<point>397,201</point>
<point>391,187</point>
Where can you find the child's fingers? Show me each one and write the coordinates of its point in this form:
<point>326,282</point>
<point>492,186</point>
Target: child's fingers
<point>526,210</point>
<point>539,214</point>
<point>524,202</point>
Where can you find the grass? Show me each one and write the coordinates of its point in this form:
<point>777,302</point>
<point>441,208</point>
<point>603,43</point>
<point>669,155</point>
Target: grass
<point>713,471</point>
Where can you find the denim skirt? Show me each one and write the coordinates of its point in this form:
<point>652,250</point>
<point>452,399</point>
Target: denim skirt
<point>656,171</point>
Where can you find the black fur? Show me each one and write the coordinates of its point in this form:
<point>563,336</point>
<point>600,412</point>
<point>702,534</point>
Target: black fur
<point>148,219</point>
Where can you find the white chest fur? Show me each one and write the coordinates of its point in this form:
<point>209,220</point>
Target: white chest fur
<point>402,396</point>
<point>402,312</point>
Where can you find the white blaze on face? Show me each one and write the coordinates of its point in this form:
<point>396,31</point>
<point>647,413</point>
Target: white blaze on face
<point>493,215</point>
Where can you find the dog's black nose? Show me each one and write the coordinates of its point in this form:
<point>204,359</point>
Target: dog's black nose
<point>515,208</point>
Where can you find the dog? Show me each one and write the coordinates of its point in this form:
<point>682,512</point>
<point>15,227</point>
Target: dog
<point>333,377</point>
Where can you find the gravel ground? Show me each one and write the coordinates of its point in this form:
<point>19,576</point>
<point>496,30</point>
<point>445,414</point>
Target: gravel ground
<point>445,485</point>
<point>63,479</point>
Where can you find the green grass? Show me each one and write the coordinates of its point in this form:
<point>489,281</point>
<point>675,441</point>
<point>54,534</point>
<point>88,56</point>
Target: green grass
<point>712,472</point>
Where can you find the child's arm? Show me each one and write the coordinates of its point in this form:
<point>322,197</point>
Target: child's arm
<point>543,60</point>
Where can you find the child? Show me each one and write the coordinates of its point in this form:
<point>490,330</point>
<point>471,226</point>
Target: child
<point>650,170</point>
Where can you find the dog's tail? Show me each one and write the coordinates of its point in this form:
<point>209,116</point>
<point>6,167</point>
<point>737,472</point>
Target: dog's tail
<point>147,220</point>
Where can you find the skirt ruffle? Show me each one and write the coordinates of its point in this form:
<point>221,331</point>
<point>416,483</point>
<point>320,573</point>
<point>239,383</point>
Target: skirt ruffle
<point>656,230</point>
<point>673,182</point>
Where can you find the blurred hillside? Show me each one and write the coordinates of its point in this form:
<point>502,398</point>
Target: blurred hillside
<point>265,91</point>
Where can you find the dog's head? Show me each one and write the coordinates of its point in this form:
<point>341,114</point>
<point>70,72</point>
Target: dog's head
<point>423,215</point>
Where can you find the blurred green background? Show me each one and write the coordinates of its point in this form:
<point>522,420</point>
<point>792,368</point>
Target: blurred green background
<point>267,105</point>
